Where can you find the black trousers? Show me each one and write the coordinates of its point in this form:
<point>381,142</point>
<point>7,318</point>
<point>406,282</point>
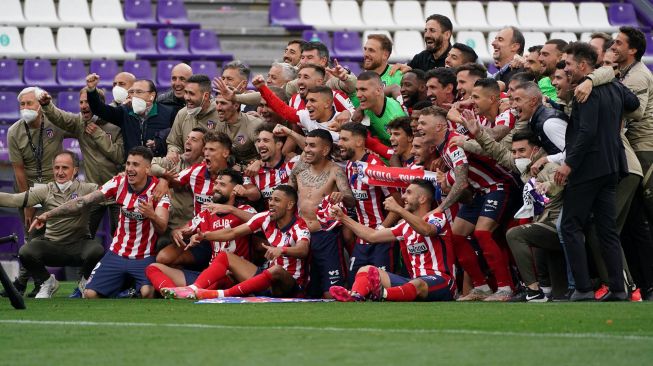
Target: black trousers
<point>596,197</point>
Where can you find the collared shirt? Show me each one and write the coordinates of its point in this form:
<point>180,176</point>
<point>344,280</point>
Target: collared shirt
<point>425,60</point>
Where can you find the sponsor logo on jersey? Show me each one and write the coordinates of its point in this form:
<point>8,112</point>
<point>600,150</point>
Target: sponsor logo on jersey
<point>267,193</point>
<point>134,215</point>
<point>360,195</point>
<point>417,249</point>
<point>202,198</point>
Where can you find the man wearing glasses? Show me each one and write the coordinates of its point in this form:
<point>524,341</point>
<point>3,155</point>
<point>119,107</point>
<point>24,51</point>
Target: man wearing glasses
<point>143,121</point>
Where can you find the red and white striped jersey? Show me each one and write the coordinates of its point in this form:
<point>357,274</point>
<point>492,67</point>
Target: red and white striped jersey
<point>485,174</point>
<point>205,221</point>
<point>428,255</point>
<point>288,236</point>
<point>269,178</point>
<point>199,179</point>
<point>341,102</point>
<point>507,118</point>
<point>369,199</point>
<point>135,237</point>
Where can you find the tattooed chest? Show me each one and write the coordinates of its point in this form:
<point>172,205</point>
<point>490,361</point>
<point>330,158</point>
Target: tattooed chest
<point>307,178</point>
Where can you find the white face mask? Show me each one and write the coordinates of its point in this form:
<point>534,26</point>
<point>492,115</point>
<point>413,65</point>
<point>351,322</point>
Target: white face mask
<point>195,111</point>
<point>138,105</point>
<point>119,94</point>
<point>64,186</point>
<point>28,115</point>
<point>522,164</point>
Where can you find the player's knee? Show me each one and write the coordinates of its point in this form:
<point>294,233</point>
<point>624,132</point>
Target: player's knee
<point>276,272</point>
<point>90,294</point>
<point>26,251</point>
<point>166,256</point>
<point>421,286</point>
<point>147,292</point>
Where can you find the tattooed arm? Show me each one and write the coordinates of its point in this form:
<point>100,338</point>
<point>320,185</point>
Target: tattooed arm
<point>457,189</point>
<point>69,207</point>
<point>343,186</point>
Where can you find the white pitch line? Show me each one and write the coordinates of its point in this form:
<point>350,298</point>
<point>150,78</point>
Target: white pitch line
<point>600,336</point>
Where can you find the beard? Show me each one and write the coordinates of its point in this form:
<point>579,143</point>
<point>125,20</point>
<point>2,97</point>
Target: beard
<point>346,154</point>
<point>219,198</point>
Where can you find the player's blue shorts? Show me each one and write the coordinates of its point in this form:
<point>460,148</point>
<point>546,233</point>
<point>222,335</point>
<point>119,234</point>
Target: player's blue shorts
<point>190,276</point>
<point>377,255</point>
<point>326,262</point>
<point>202,254</point>
<point>491,205</point>
<point>112,270</point>
<point>440,288</point>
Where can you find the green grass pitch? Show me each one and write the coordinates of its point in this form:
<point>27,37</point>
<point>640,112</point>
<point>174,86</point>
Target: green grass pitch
<point>65,331</point>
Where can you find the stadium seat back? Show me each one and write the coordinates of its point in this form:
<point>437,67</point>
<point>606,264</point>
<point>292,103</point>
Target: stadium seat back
<point>107,11</point>
<point>501,14</point>
<point>139,40</point>
<point>377,14</point>
<point>10,42</point>
<point>204,41</point>
<point>74,11</point>
<point>565,36</point>
<point>71,73</point>
<point>171,12</point>
<point>142,69</point>
<point>10,74</point>
<point>622,14</point>
<point>284,12</point>
<point>348,45</point>
<point>319,36</point>
<point>106,41</point>
<point>470,14</point>
<point>440,7</point>
<point>39,40</point>
<point>346,14</point>
<point>531,14</point>
<point>139,11</point>
<point>354,67</point>
<point>106,69</point>
<point>593,15</point>
<point>163,72</point>
<point>9,108</point>
<point>315,13</point>
<point>171,42</point>
<point>534,39</point>
<point>563,15</point>
<point>475,40</point>
<point>12,11</point>
<point>38,72</point>
<point>406,13</point>
<point>208,68</point>
<point>42,11</point>
<point>406,45</point>
<point>68,101</point>
<point>72,41</point>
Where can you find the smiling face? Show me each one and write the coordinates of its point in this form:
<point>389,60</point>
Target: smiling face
<point>373,55</point>
<point>223,188</point>
<point>292,54</point>
<point>400,141</point>
<point>180,73</point>
<point>307,78</point>
<point>215,156</point>
<point>268,148</point>
<point>348,144</point>
<point>432,128</point>
<point>411,88</point>
<point>503,48</point>
<point>64,168</point>
<point>533,64</point>
<point>232,77</point>
<point>84,107</point>
<point>369,93</point>
<point>465,83</point>
<point>227,110</point>
<point>623,54</point>
<point>485,103</point>
<point>319,107</point>
<point>136,169</point>
<point>193,147</point>
<point>316,150</point>
<point>275,77</point>
<point>413,197</point>
<point>455,58</point>
<point>194,97</point>
<point>560,81</point>
<point>312,57</point>
<point>523,104</point>
<point>434,37</point>
<point>279,204</point>
<point>548,58</point>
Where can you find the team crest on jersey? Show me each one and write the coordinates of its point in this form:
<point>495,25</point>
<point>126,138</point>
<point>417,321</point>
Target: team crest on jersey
<point>210,125</point>
<point>49,132</point>
<point>73,196</point>
<point>142,197</point>
<point>283,173</point>
<point>240,139</point>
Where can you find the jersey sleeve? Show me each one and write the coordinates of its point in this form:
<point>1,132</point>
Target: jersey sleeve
<point>164,202</point>
<point>247,208</point>
<point>302,232</point>
<point>437,220</point>
<point>398,230</point>
<point>256,223</point>
<point>110,188</point>
<point>457,155</point>
<point>184,175</point>
<point>506,119</point>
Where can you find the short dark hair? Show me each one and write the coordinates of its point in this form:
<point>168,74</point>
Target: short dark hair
<point>518,37</point>
<point>560,65</point>
<point>425,185</point>
<point>419,74</point>
<point>636,40</point>
<point>522,135</point>
<point>142,151</point>
<point>559,43</point>
<point>523,76</point>
<point>202,80</point>
<point>474,69</point>
<point>288,191</point>
<point>300,42</point>
<point>444,75</point>
<point>357,129</point>
<point>369,75</point>
<point>386,43</point>
<point>242,69</point>
<point>468,53</point>
<point>582,51</point>
<point>536,48</point>
<point>235,176</point>
<point>401,123</point>
<point>322,89</point>
<point>319,69</point>
<point>150,85</point>
<point>199,129</point>
<point>607,39</point>
<point>422,104</point>
<point>219,137</point>
<point>489,84</point>
<point>322,135</point>
<point>269,127</point>
<point>72,155</point>
<point>322,50</point>
<point>434,111</point>
<point>445,22</point>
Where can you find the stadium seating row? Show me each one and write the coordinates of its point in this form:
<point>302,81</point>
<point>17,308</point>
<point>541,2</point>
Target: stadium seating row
<point>468,15</point>
<point>72,42</point>
<point>102,13</point>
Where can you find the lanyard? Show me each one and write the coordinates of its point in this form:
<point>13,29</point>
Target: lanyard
<point>37,150</point>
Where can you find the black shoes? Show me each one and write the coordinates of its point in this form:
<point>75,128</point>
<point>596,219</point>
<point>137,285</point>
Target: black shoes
<point>582,296</point>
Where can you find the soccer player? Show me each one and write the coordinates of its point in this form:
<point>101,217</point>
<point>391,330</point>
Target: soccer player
<point>142,219</point>
<point>315,177</point>
<point>379,110</point>
<point>413,88</point>
<point>285,275</point>
<point>427,245</point>
<point>376,52</point>
<point>441,87</point>
<point>401,140</point>
<point>460,54</point>
<point>550,54</point>
<point>486,97</point>
<point>223,213</point>
<point>369,199</point>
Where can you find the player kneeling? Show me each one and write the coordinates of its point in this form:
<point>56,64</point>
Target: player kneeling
<point>424,240</point>
<point>285,276</point>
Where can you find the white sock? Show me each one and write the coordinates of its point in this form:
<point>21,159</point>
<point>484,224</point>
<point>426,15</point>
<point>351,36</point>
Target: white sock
<point>220,293</point>
<point>504,288</point>
<point>193,287</point>
<point>484,288</point>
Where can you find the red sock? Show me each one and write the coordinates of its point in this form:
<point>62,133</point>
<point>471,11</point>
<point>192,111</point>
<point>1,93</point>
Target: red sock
<point>158,278</point>
<point>407,292</point>
<point>215,273</point>
<point>361,284</point>
<point>257,283</point>
<point>468,260</point>
<point>493,257</point>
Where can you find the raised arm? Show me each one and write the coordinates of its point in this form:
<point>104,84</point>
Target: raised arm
<point>68,122</point>
<point>103,111</point>
<point>368,234</point>
<point>224,234</point>
<point>68,208</point>
<point>278,106</point>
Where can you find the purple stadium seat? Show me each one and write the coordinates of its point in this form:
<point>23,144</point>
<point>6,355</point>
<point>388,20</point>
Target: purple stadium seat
<point>286,14</point>
<point>354,67</point>
<point>171,42</point>
<point>107,69</point>
<point>139,11</point>
<point>140,41</point>
<point>71,73</point>
<point>72,145</point>
<point>142,69</point>
<point>108,96</point>
<point>171,12</point>
<point>9,109</point>
<point>319,36</point>
<point>491,68</point>
<point>622,14</point>
<point>649,44</point>
<point>68,101</point>
<point>39,72</point>
<point>163,71</point>
<point>347,45</point>
<point>650,67</point>
<point>204,42</point>
<point>208,68</point>
<point>10,75</point>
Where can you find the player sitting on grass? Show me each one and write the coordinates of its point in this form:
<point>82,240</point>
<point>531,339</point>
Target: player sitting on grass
<point>289,239</point>
<point>422,237</point>
<point>223,213</point>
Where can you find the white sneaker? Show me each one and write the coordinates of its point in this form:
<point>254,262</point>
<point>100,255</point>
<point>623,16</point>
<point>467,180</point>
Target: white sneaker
<point>48,288</point>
